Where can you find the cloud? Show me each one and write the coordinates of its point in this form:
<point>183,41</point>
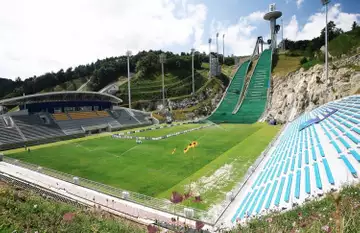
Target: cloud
<point>316,23</point>
<point>41,35</point>
<point>239,37</point>
<point>299,2</point>
<point>256,16</point>
<point>291,30</point>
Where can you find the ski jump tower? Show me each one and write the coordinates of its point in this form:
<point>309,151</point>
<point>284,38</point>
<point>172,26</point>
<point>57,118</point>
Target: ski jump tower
<point>271,16</point>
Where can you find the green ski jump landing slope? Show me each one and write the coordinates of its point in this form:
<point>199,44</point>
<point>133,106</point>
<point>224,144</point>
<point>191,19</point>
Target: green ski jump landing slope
<point>255,99</point>
<point>224,111</point>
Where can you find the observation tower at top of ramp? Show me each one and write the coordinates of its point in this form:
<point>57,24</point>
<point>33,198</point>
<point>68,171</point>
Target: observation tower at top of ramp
<point>272,15</point>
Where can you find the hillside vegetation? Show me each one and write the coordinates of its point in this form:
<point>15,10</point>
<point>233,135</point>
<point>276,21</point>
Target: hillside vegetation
<point>308,53</point>
<point>25,211</point>
<point>336,212</point>
<point>145,65</point>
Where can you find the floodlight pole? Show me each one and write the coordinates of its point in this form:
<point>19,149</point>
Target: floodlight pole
<point>282,34</point>
<point>162,61</point>
<point>326,39</point>
<point>223,49</point>
<point>209,58</point>
<point>217,44</point>
<point>193,71</point>
<point>128,54</point>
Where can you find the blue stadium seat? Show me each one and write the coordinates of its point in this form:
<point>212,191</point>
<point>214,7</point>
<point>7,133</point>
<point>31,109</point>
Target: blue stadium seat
<point>240,207</point>
<point>278,196</point>
<point>281,168</point>
<point>257,180</point>
<point>349,166</point>
<point>346,124</point>
<point>334,132</point>
<point>353,120</point>
<point>316,136</point>
<point>355,155</point>
<point>243,211</point>
<point>287,166</point>
<point>337,148</point>
<point>255,201</point>
<point>274,171</point>
<point>352,138</point>
<point>263,198</point>
<point>266,177</point>
<point>293,164</point>
<point>297,186</point>
<point>307,156</point>
<point>328,172</point>
<point>342,140</point>
<point>263,176</point>
<point>313,153</point>
<point>307,180</point>
<point>317,176</point>
<point>357,130</point>
<point>321,150</point>
<point>268,202</point>
<point>299,160</point>
<point>288,188</point>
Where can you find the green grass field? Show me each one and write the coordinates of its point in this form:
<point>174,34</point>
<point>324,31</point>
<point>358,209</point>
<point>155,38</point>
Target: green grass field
<point>286,64</point>
<point>150,168</point>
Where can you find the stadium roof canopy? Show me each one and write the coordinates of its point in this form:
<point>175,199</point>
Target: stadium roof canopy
<point>61,96</point>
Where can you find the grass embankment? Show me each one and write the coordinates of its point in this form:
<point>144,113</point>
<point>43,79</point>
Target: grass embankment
<point>240,157</point>
<point>286,64</point>
<point>176,84</point>
<point>338,212</point>
<point>149,168</point>
<point>24,211</point>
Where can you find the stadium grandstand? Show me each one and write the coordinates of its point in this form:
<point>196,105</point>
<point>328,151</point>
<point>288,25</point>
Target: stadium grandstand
<point>57,116</point>
<point>316,153</point>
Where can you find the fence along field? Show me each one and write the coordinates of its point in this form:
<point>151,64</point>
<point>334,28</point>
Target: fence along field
<point>150,168</point>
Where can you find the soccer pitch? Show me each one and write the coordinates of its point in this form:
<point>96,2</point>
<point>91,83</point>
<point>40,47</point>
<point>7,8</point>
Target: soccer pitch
<point>152,168</point>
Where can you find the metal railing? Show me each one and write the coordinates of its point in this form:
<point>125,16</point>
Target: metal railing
<point>141,199</point>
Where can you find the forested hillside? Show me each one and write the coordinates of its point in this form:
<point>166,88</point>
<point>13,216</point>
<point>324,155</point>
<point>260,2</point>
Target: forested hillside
<point>145,64</point>
<point>311,52</point>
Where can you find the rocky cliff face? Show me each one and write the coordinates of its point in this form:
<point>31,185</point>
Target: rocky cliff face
<point>305,90</point>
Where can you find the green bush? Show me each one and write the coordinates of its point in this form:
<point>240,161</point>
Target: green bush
<point>294,53</point>
<point>342,45</point>
<point>303,60</point>
<point>310,64</point>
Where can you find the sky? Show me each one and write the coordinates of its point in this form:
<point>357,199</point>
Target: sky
<point>40,36</point>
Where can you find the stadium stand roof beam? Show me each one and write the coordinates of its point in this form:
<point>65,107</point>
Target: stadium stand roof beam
<point>61,96</point>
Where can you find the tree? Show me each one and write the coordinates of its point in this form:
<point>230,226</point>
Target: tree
<point>333,31</point>
<point>354,25</point>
